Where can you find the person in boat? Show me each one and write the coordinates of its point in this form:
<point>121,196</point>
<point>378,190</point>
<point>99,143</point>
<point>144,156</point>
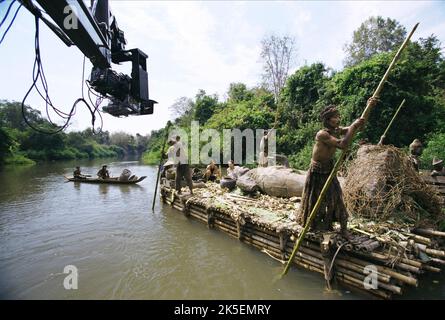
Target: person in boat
<point>77,174</point>
<point>103,173</point>
<point>438,169</point>
<point>327,141</point>
<point>182,166</point>
<point>415,150</point>
<point>212,172</point>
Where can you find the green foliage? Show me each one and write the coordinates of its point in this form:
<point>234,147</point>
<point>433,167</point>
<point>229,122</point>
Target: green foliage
<point>18,141</point>
<point>154,146</point>
<point>434,148</point>
<point>205,106</point>
<point>290,141</point>
<point>151,157</point>
<point>375,35</point>
<point>418,77</point>
<point>410,79</point>
<point>256,113</point>
<point>5,144</point>
<point>11,115</point>
<point>302,159</point>
<point>18,159</point>
<point>238,92</point>
<point>303,89</point>
<point>43,142</point>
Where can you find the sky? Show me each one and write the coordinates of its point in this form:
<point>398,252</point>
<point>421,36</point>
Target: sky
<point>195,45</point>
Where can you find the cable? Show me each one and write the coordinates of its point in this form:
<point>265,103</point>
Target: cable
<point>7,13</point>
<point>38,74</point>
<point>10,24</point>
<point>96,105</point>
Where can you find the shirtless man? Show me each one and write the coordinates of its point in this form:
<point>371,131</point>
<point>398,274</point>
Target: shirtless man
<point>103,173</point>
<point>327,141</point>
<point>78,174</point>
<point>212,172</point>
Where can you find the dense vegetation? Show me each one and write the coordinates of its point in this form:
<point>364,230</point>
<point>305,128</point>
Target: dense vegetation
<point>19,144</point>
<point>418,77</point>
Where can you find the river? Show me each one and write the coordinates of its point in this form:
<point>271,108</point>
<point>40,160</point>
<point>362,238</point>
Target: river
<point>122,249</point>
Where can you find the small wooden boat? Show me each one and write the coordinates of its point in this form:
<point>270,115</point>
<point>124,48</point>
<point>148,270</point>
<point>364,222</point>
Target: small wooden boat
<point>107,181</point>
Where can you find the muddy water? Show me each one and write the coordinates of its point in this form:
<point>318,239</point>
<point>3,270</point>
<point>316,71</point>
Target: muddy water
<point>124,250</point>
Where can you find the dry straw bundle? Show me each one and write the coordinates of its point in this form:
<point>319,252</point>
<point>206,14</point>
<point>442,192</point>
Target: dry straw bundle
<point>381,184</point>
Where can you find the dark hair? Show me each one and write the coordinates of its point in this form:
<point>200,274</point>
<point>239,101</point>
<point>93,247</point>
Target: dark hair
<point>327,113</point>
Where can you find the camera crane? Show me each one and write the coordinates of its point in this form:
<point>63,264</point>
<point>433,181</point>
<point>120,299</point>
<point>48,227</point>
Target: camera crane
<point>96,33</point>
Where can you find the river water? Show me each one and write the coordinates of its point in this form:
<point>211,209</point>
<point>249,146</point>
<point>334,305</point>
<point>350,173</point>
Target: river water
<point>124,250</point>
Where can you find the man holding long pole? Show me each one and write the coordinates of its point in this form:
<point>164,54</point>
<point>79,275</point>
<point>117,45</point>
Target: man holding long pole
<point>327,141</point>
<point>365,115</point>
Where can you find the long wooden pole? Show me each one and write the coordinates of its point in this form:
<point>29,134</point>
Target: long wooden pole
<point>160,164</point>
<point>326,186</point>
<point>382,138</point>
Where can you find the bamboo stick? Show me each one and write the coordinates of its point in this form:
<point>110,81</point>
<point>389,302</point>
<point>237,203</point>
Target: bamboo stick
<point>219,223</point>
<point>348,264</point>
<point>374,293</point>
<point>438,261</point>
<point>382,138</point>
<point>354,267</point>
<point>358,276</point>
<point>429,232</point>
<point>160,164</point>
<point>222,228</point>
<point>396,275</point>
<point>340,271</point>
<point>417,238</point>
<point>431,268</point>
<point>384,258</point>
<point>433,252</point>
<point>359,283</point>
<point>436,253</point>
<point>271,242</point>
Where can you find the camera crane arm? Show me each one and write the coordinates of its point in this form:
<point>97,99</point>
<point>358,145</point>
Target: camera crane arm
<point>95,32</point>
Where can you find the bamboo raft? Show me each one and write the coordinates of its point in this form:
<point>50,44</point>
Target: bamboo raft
<point>438,182</point>
<point>400,256</point>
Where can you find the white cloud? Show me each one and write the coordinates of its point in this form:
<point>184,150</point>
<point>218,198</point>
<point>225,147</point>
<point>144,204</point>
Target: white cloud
<point>302,20</point>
